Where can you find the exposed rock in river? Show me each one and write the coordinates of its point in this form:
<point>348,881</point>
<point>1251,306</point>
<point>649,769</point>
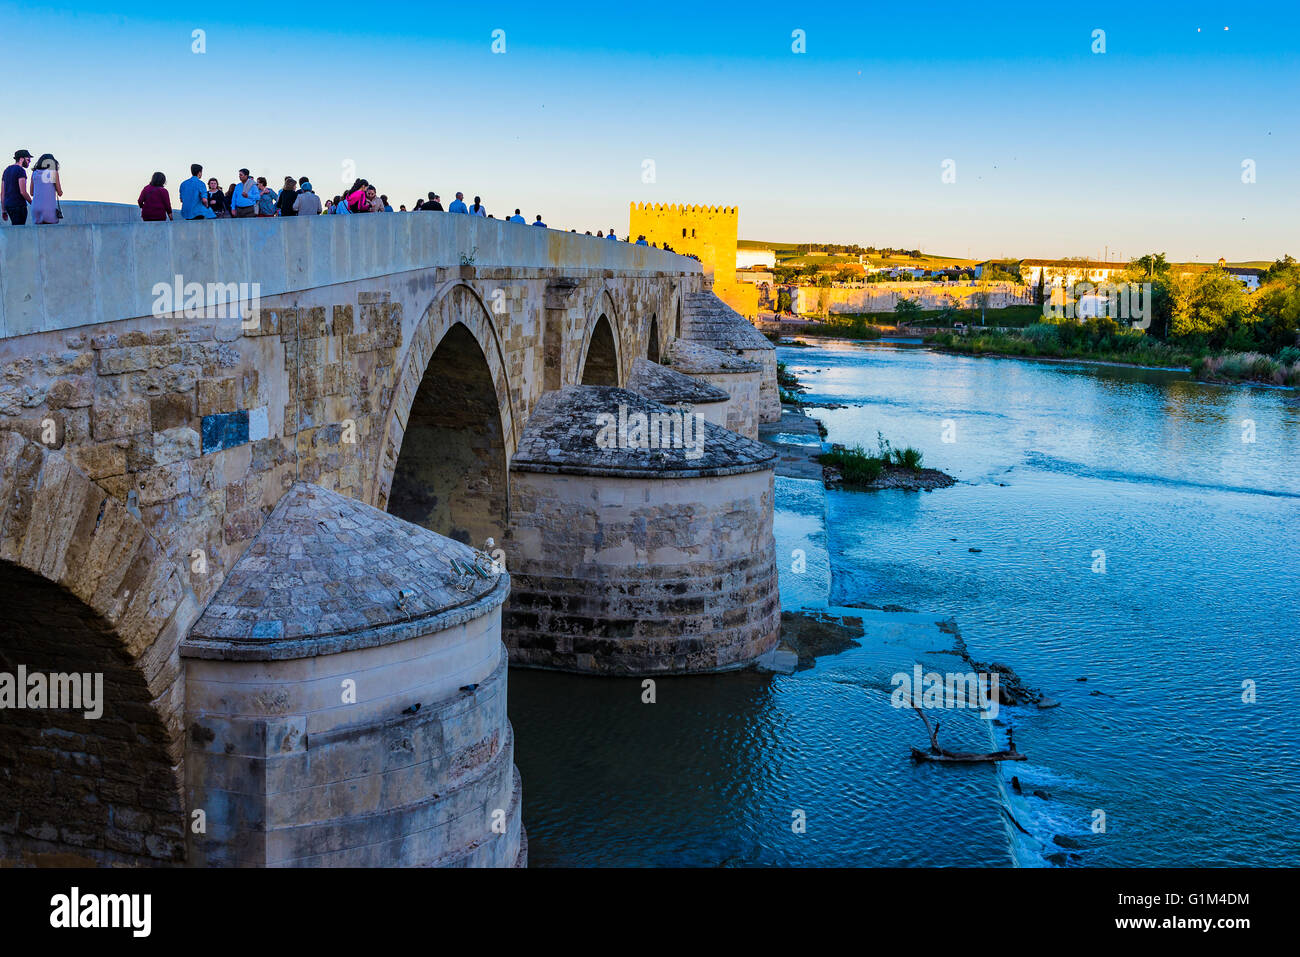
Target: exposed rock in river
<point>893,476</point>
<point>813,634</point>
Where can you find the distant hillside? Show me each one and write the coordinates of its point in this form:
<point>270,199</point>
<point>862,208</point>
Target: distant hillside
<point>788,254</point>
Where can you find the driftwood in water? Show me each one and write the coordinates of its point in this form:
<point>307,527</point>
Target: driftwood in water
<point>937,753</point>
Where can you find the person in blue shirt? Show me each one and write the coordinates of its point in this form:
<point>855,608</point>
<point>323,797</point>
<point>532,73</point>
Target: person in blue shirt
<point>640,241</point>
<point>194,196</point>
<point>341,207</point>
<point>538,222</point>
<point>457,205</point>
<point>243,202</point>
<point>266,198</point>
<point>516,218</point>
<point>611,233</point>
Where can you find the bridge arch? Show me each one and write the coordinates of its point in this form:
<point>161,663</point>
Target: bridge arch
<point>87,591</point>
<point>601,355</point>
<point>652,339</point>
<point>600,362</point>
<point>451,427</point>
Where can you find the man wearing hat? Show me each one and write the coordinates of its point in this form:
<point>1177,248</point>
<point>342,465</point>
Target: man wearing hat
<point>306,203</point>
<point>14,195</point>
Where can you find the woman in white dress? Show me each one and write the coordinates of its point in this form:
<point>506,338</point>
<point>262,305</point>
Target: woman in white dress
<point>46,190</point>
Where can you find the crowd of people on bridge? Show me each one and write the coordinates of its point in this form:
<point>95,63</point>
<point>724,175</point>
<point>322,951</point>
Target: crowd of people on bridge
<point>249,197</point>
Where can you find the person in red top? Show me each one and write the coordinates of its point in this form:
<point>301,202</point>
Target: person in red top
<point>155,203</point>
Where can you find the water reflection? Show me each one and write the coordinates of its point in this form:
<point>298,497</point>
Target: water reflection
<point>1057,462</point>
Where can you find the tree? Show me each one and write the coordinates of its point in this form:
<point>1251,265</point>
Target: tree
<point>1277,300</point>
<point>1284,268</point>
<point>1154,269</point>
<point>907,310</point>
<point>1209,304</point>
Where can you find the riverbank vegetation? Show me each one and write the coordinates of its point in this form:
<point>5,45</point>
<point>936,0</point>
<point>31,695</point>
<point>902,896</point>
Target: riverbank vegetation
<point>1207,321</point>
<point>873,325</point>
<point>888,467</point>
<point>846,327</point>
<point>1100,340</point>
<point>1284,369</point>
<point>788,385</point>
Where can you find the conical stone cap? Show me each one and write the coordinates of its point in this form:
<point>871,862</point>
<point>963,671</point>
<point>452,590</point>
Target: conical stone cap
<point>695,358</point>
<point>590,430</point>
<point>327,573</point>
<point>663,384</point>
<point>708,319</point>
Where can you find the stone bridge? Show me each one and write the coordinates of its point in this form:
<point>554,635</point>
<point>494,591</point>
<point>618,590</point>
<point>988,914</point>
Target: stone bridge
<point>179,404</point>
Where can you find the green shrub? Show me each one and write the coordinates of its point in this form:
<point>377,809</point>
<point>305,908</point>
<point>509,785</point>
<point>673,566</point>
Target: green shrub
<point>1041,332</point>
<point>908,458</point>
<point>855,465</point>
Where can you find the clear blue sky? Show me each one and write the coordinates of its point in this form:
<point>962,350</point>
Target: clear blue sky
<point>1057,150</point>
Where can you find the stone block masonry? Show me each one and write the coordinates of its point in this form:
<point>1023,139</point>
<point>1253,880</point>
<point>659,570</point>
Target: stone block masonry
<point>142,454</point>
<point>638,560</point>
<point>346,699</point>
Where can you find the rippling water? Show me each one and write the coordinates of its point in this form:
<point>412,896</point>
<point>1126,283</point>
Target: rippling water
<point>1056,463</point>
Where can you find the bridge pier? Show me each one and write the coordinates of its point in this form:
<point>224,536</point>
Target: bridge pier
<point>741,379</point>
<point>710,321</point>
<point>632,560</point>
<point>346,701</point>
<point>669,386</point>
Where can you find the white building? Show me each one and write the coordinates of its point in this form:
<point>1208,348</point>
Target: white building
<point>1066,272</point>
<point>755,257</point>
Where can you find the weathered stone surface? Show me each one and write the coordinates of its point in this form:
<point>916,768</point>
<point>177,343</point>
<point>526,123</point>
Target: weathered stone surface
<point>667,385</point>
<point>570,431</point>
<point>86,591</point>
<point>330,381</point>
<point>630,560</point>
<point>324,566</point>
<point>411,763</point>
<point>709,320</point>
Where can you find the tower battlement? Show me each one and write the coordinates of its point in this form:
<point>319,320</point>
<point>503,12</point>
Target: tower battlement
<point>679,209</point>
<point>695,229</point>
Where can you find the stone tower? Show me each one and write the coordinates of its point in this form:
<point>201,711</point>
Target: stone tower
<point>708,232</point>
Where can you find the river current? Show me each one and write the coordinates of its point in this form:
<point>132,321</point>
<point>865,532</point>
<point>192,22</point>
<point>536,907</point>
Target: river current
<point>1125,539</point>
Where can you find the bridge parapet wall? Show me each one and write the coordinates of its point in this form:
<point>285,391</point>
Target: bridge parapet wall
<point>59,277</point>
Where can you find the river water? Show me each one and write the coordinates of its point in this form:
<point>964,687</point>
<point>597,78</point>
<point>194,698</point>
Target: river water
<point>1132,527</point>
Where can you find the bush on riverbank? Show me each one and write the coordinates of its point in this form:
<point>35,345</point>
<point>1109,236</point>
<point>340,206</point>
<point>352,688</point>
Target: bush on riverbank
<point>1251,367</point>
<point>1097,339</point>
<point>859,467</point>
<point>855,465</point>
<point>855,327</point>
<point>785,378</point>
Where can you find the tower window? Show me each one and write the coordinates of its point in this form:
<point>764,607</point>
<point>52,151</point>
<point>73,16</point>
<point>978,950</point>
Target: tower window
<point>683,232</point>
